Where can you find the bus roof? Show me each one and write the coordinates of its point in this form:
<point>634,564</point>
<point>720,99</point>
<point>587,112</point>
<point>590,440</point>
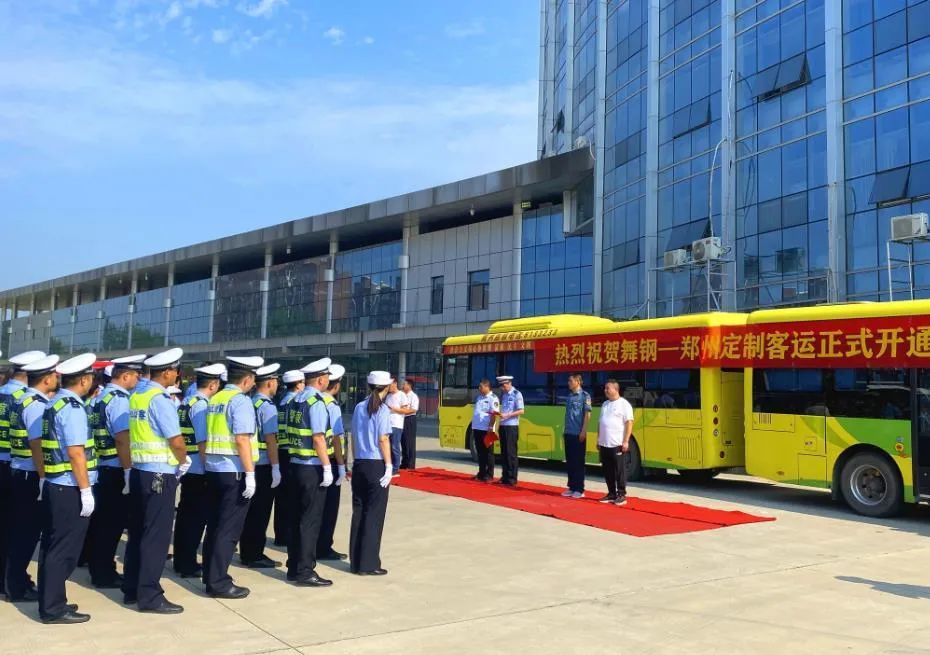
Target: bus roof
<point>840,311</point>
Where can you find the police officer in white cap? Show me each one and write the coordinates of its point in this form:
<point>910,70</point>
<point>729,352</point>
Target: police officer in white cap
<point>110,422</point>
<point>324,547</point>
<point>191,519</point>
<point>10,393</point>
<point>27,475</point>
<point>159,459</point>
<point>311,472</point>
<point>294,384</point>
<point>267,471</point>
<point>232,451</point>
<point>70,473</point>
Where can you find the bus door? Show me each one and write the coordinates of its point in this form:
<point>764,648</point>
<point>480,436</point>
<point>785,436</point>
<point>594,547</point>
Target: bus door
<point>921,432</point>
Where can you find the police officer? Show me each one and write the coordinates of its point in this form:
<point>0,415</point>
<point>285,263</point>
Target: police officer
<point>110,429</point>
<point>311,472</point>
<point>574,434</point>
<point>10,393</point>
<point>511,409</point>
<point>191,518</point>
<point>267,471</point>
<point>70,473</point>
<point>27,475</point>
<point>159,459</point>
<point>324,547</point>
<point>486,406</point>
<point>232,451</point>
<point>294,383</point>
<point>372,470</point>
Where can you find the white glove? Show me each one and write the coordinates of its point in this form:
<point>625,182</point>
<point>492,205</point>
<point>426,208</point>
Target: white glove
<point>342,475</point>
<point>275,475</point>
<point>87,502</point>
<point>184,466</point>
<point>126,481</point>
<point>249,485</point>
<point>41,488</point>
<point>327,475</point>
<point>386,478</point>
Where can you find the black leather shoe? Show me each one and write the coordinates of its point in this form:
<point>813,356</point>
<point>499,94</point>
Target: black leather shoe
<point>314,580</point>
<point>375,572</point>
<point>166,607</point>
<point>64,619</point>
<point>233,593</point>
<point>31,595</point>
<point>262,562</point>
<point>194,573</point>
<point>130,599</point>
<point>72,607</point>
<point>333,555</point>
<point>109,584</point>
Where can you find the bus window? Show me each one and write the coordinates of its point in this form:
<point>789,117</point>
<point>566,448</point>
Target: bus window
<point>534,386</point>
<point>788,391</point>
<point>883,393</point>
<point>482,367</point>
<point>455,391</point>
<point>673,389</point>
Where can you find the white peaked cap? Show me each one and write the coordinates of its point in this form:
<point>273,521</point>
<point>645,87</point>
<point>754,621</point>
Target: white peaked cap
<point>46,364</point>
<point>336,371</point>
<point>80,364</point>
<point>380,378</point>
<point>211,371</point>
<point>319,367</point>
<point>291,377</point>
<point>165,359</point>
<point>29,357</point>
<point>268,372</point>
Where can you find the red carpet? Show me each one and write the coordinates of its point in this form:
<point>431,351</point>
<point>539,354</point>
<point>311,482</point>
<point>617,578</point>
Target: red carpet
<point>638,518</point>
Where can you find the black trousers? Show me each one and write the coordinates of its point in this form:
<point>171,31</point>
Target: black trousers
<point>324,542</point>
<point>574,461</point>
<point>6,505</point>
<point>25,526</point>
<point>62,538</point>
<point>369,507</point>
<point>408,443</point>
<point>226,512</point>
<point>510,465</point>
<point>107,523</point>
<point>308,500</point>
<point>613,462</point>
<point>282,501</point>
<point>252,540</point>
<point>485,455</point>
<point>190,522</point>
<point>151,514</point>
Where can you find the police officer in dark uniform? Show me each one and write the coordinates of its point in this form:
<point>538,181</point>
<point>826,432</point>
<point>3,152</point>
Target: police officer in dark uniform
<point>70,473</point>
<point>294,383</point>
<point>324,548</point>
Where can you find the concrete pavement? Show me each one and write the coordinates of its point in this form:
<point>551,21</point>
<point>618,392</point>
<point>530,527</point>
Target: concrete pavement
<point>471,578</point>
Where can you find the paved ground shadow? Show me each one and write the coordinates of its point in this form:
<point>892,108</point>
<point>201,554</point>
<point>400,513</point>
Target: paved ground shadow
<point>897,588</point>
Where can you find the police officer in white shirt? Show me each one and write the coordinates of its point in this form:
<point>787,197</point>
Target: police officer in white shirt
<point>409,441</point>
<point>613,442</point>
<point>486,404</point>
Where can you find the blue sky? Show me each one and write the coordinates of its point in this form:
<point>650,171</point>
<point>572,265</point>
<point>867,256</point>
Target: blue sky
<point>129,127</point>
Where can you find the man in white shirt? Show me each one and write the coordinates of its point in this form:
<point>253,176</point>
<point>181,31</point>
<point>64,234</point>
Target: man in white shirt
<point>409,442</point>
<point>399,405</point>
<point>613,442</point>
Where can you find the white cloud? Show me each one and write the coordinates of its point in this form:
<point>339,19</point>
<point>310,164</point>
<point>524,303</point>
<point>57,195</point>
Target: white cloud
<point>368,40</point>
<point>222,36</point>
<point>465,30</point>
<point>174,11</point>
<point>262,8</point>
<point>335,35</point>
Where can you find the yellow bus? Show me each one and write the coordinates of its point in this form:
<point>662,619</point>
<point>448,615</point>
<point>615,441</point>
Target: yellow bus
<point>688,409</point>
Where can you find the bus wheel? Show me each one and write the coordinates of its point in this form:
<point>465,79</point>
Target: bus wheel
<point>471,445</point>
<point>871,485</point>
<point>697,476</point>
<point>634,463</point>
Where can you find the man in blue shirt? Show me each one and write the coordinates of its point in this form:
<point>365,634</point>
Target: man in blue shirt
<point>267,471</point>
<point>232,451</point>
<point>486,407</point>
<point>159,459</point>
<point>10,392</point>
<point>27,475</point>
<point>191,519</point>
<point>294,382</point>
<point>110,423</point>
<point>324,547</point>
<point>70,463</point>
<point>574,435</point>
<point>511,410</point>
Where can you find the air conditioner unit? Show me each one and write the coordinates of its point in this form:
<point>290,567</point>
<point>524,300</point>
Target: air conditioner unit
<point>705,250</point>
<point>911,226</point>
<point>676,258</point>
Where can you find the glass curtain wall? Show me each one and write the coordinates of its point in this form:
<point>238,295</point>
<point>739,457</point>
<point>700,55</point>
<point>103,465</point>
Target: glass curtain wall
<point>584,73</point>
<point>561,131</point>
<point>87,328</point>
<point>297,298</point>
<point>60,337</point>
<point>366,293</point>
<point>148,321</point>
<point>115,323</point>
<point>190,313</point>
<point>238,307</point>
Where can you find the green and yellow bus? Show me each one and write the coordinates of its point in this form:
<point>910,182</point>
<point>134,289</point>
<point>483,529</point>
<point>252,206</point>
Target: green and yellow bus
<point>835,397</point>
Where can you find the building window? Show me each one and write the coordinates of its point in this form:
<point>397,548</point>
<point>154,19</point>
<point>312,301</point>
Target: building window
<point>435,298</point>
<point>478,282</point>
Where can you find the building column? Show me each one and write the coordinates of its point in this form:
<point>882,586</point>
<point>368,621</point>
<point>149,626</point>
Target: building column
<point>651,241</point>
<point>211,294</point>
<point>263,287</point>
<point>517,258</point>
<point>404,265</point>
<point>401,365</point>
<point>132,307</point>
<point>13,312</point>
<point>728,154</point>
<point>836,169</point>
<point>100,313</point>
<point>330,277</point>
<point>75,299</point>
<point>169,303</point>
<point>600,122</point>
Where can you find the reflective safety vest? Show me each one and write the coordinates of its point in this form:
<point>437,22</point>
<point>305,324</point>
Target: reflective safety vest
<point>258,424</point>
<point>301,434</point>
<point>187,426</point>
<point>52,454</point>
<point>19,435</point>
<point>145,446</point>
<point>7,402</point>
<point>104,442</point>
<point>220,439</point>
<point>284,437</point>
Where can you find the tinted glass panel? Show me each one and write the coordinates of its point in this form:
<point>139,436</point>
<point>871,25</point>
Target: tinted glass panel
<point>889,185</point>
